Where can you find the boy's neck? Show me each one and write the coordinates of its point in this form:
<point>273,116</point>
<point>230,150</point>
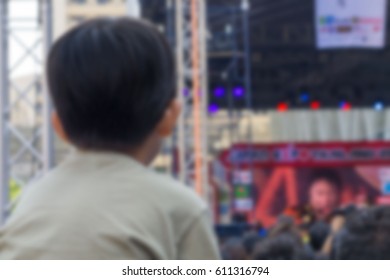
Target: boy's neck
<point>144,154</point>
<point>141,157</point>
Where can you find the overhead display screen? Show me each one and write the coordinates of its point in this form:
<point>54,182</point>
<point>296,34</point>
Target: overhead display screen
<point>350,23</point>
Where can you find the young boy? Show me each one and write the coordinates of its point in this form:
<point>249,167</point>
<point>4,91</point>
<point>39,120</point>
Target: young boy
<point>113,87</point>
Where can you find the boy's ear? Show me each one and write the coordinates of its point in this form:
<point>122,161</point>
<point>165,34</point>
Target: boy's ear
<point>167,124</point>
<point>58,127</point>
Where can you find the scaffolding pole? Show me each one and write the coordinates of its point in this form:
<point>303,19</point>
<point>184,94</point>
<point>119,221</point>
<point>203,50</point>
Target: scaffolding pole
<point>191,57</point>
<point>27,142</point>
<point>48,134</point>
<point>4,169</point>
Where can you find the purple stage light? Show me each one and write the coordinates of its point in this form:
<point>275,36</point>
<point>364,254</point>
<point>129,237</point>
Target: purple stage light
<point>238,92</point>
<point>186,92</point>
<point>213,109</point>
<point>219,92</point>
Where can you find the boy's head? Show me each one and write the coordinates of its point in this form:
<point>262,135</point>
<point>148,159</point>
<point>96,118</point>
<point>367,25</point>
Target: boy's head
<point>112,82</point>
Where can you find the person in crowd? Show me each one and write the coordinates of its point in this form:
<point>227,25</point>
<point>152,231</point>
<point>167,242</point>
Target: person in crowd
<point>318,233</point>
<point>285,224</point>
<point>249,241</point>
<point>365,236</point>
<point>324,193</point>
<point>112,82</point>
<point>234,249</point>
<point>323,199</point>
<point>284,246</point>
<point>336,223</point>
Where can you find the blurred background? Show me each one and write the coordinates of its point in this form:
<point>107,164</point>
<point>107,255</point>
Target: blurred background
<point>285,104</point>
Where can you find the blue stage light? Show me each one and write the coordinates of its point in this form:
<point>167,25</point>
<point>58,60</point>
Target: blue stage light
<point>304,97</point>
<point>379,106</point>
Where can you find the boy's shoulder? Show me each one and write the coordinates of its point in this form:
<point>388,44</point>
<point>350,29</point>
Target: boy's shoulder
<point>105,176</point>
<point>174,189</point>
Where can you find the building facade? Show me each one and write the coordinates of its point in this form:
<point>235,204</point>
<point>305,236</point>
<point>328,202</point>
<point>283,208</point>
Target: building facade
<point>68,13</point>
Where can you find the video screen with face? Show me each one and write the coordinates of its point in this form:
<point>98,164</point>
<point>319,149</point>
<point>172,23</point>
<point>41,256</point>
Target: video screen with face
<point>310,181</point>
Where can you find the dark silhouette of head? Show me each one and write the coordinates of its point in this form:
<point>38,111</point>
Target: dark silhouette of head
<point>365,236</point>
<point>280,247</point>
<point>234,249</point>
<point>318,232</point>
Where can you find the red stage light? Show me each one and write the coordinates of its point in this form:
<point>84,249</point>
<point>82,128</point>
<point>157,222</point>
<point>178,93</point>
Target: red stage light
<point>346,106</point>
<point>282,107</point>
<point>315,105</point>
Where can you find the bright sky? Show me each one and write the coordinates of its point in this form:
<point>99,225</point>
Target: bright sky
<point>24,14</point>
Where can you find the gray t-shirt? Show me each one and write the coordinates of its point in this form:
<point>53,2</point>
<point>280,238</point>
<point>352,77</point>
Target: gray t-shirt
<point>108,206</point>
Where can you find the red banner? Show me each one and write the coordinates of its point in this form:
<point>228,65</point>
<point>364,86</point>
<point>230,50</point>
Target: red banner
<point>308,154</point>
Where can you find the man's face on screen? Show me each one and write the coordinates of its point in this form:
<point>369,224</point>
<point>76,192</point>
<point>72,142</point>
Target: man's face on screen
<point>323,198</point>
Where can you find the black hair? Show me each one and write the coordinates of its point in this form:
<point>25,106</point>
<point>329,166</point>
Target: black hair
<point>345,211</point>
<point>234,249</point>
<point>249,241</point>
<point>319,232</point>
<point>284,224</point>
<point>365,236</point>
<point>281,247</point>
<point>329,175</point>
<point>111,81</point>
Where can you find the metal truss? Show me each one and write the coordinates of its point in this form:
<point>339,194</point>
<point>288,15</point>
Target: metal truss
<point>26,143</point>
<point>191,54</point>
<point>230,64</point>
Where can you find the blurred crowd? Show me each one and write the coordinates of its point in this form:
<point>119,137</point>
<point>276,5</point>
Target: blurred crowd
<point>350,234</point>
